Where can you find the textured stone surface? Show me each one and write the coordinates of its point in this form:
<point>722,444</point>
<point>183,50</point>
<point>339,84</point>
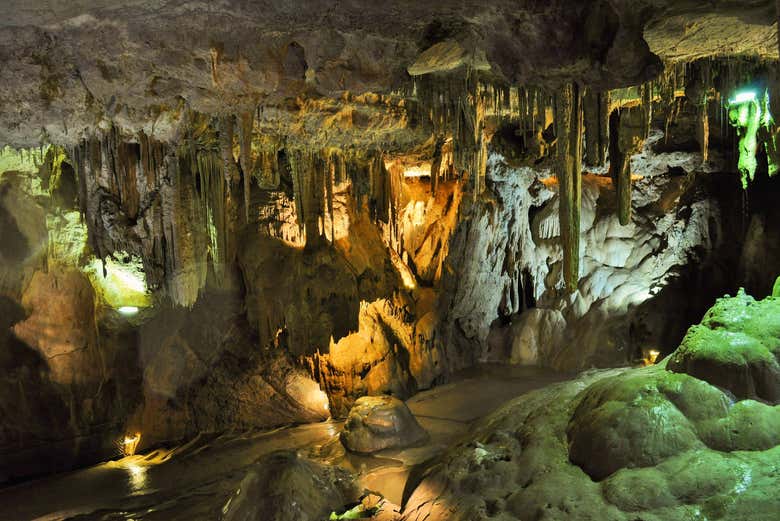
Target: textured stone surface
<point>380,422</point>
<point>505,262</point>
<point>61,325</point>
<point>138,64</point>
<point>283,486</point>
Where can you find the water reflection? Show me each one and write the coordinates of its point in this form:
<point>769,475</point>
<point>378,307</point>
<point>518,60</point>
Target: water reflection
<point>138,476</point>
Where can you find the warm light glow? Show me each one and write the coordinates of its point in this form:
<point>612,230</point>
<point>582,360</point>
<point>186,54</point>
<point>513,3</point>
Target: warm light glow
<point>408,278</point>
<point>121,283</point>
<point>418,171</point>
<point>651,357</point>
<point>130,444</point>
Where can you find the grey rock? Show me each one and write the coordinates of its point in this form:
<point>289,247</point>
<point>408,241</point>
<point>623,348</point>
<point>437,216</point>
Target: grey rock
<point>380,422</point>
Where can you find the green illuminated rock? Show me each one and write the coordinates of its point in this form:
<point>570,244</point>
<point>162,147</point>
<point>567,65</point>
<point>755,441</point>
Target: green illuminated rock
<point>654,444</point>
<point>752,117</point>
<point>745,117</point>
<point>735,347</point>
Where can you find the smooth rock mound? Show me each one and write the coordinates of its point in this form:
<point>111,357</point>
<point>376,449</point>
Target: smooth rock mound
<point>736,347</point>
<point>380,422</point>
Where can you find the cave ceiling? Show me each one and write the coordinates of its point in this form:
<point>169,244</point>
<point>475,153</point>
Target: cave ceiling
<point>332,73</point>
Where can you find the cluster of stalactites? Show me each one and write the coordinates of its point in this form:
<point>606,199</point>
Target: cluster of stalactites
<point>609,125</point>
<point>742,89</point>
<point>315,176</point>
<point>201,159</point>
<point>457,107</point>
<point>167,205</point>
<point>629,127</point>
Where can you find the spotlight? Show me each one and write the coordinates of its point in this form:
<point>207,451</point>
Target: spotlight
<point>128,310</point>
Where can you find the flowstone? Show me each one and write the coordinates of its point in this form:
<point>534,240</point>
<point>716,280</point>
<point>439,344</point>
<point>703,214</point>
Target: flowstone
<point>650,443</point>
<point>736,347</point>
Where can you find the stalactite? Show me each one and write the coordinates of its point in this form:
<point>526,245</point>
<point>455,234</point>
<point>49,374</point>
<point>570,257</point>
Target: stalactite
<point>647,108</point>
<point>269,176</point>
<point>436,163</point>
<point>167,205</point>
<point>247,123</point>
<point>308,185</point>
<point>298,173</point>
<point>703,129</point>
<point>457,106</point>
<point>569,119</point>
<point>330,175</point>
<point>226,134</point>
<point>620,169</point>
<point>628,131</point>
<point>596,113</point>
<point>313,194</point>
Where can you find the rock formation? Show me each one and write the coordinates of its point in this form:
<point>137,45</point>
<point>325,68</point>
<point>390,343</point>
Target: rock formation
<point>380,422</point>
<point>283,486</point>
<point>621,444</point>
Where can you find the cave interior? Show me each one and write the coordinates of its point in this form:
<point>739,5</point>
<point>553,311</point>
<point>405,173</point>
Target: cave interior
<point>307,260</point>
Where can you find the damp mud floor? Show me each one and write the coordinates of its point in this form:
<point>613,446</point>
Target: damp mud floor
<point>195,480</point>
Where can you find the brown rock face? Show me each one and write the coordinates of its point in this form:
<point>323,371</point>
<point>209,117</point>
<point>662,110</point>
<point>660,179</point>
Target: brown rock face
<point>61,325</point>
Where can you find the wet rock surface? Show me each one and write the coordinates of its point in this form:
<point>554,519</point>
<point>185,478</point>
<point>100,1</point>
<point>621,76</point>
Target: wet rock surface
<point>380,422</point>
<point>195,480</point>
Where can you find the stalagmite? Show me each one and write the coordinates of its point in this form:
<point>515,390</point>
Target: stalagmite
<point>569,118</point>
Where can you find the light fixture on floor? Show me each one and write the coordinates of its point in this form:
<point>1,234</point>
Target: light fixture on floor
<point>130,444</point>
<point>128,310</point>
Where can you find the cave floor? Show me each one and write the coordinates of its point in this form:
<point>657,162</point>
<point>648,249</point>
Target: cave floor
<point>194,481</point>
